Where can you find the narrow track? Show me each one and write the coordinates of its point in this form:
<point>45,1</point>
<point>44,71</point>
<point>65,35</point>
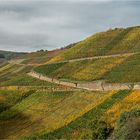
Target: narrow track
<point>19,61</point>
<point>98,57</point>
<point>95,85</point>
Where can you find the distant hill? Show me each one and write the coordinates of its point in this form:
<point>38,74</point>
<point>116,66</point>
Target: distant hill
<point>113,41</point>
<point>9,54</point>
<point>2,56</point>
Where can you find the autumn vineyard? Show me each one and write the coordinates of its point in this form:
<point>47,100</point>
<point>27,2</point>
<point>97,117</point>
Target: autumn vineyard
<point>90,90</point>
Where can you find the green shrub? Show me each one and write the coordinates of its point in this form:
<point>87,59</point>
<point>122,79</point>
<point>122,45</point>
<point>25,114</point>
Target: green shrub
<point>86,122</point>
<point>126,72</point>
<point>12,99</point>
<point>128,126</point>
<point>100,130</point>
<point>47,69</point>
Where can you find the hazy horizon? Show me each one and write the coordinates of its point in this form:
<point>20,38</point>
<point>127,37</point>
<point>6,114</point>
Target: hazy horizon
<point>32,25</point>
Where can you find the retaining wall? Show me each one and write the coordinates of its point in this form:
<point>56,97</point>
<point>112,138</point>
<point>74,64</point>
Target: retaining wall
<point>98,85</point>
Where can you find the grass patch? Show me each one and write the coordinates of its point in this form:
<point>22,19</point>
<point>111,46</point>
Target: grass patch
<point>132,101</point>
<point>126,72</point>
<point>3,65</point>
<point>82,127</point>
<point>47,69</point>
<point>10,98</point>
<point>128,126</point>
<point>104,43</point>
<point>85,70</point>
<point>48,111</point>
<point>91,46</point>
<point>25,80</point>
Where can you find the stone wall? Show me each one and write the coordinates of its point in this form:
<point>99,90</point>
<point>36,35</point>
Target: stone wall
<point>98,85</point>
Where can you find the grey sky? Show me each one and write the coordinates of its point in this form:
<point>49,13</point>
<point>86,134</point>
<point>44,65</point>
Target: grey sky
<point>29,25</point>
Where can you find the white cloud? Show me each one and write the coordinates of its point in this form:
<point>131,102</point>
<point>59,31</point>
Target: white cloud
<point>35,24</point>
<point>4,1</point>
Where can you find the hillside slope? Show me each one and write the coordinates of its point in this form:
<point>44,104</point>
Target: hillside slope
<point>32,108</point>
<point>10,55</point>
<point>123,69</point>
<point>113,41</point>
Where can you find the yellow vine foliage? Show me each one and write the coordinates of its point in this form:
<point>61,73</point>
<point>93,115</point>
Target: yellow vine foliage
<point>2,98</point>
<point>130,102</point>
<point>94,71</point>
<point>73,116</point>
<point>56,113</point>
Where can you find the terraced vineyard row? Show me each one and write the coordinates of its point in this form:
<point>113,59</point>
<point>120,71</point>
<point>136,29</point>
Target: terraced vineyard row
<point>31,108</point>
<point>110,69</point>
<point>53,109</point>
<point>87,126</point>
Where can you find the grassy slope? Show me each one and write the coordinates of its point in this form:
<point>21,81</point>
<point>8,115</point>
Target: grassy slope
<point>41,56</point>
<point>81,128</point>
<point>128,126</point>
<point>43,112</point>
<point>8,71</point>
<point>119,69</point>
<point>47,69</point>
<point>10,55</point>
<point>11,97</point>
<point>128,71</point>
<point>3,64</point>
<point>87,70</point>
<point>104,43</point>
<point>5,67</point>
<point>130,102</point>
<point>10,76</point>
<point>26,115</point>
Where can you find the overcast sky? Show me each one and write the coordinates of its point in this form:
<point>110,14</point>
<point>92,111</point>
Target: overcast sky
<point>29,25</point>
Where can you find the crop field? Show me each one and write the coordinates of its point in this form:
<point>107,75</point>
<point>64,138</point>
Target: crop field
<point>13,71</point>
<point>80,50</point>
<point>25,80</point>
<point>5,67</point>
<point>32,108</point>
<point>111,42</point>
<point>115,70</point>
<point>16,75</point>
<point>129,43</point>
<point>85,70</point>
<point>130,102</point>
<point>83,127</point>
<point>37,60</point>
<point>3,64</point>
<point>47,69</point>
<point>49,110</point>
<point>40,57</point>
<point>6,73</point>
<point>128,71</point>
<point>9,98</point>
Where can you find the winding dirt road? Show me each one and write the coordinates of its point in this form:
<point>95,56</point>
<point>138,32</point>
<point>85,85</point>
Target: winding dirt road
<point>95,85</point>
<point>98,57</point>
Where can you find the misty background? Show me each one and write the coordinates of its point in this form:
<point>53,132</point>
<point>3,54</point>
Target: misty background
<point>30,25</point>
